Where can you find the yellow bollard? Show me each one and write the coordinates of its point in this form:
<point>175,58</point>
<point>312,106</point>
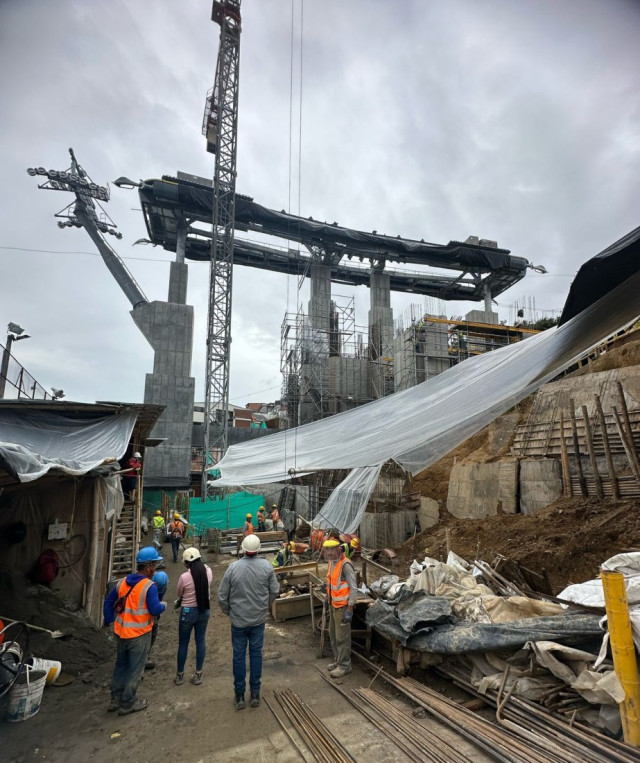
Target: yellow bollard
<point>624,653</point>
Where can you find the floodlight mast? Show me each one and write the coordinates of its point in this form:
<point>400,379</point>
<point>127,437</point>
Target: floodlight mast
<point>220,126</point>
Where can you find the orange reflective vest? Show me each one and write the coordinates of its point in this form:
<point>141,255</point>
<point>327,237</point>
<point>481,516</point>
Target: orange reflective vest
<point>337,588</point>
<point>247,529</point>
<point>260,516</point>
<point>275,515</point>
<point>136,620</point>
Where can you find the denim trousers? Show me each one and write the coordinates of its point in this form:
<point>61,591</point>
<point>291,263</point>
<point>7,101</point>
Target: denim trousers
<point>253,636</point>
<point>175,547</point>
<point>131,656</point>
<point>192,620</point>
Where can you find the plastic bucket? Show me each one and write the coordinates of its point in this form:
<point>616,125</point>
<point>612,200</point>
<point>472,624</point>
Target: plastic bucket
<point>26,694</point>
<point>51,667</point>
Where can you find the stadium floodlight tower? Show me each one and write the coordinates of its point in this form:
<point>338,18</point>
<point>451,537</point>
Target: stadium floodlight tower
<point>167,326</point>
<point>220,127</point>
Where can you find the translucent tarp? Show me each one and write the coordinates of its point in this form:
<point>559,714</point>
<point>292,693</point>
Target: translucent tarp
<point>33,442</point>
<point>347,502</point>
<point>418,426</point>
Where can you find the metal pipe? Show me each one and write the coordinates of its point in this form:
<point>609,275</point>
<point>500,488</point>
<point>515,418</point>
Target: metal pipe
<point>286,730</point>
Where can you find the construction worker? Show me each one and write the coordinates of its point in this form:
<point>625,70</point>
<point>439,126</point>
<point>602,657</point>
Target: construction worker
<point>247,527</point>
<point>350,548</point>
<point>260,518</point>
<point>275,515</point>
<point>246,593</point>
<point>132,606</point>
<point>161,579</point>
<point>176,534</point>
<point>341,596</point>
<point>158,529</point>
<point>283,557</point>
<point>130,477</point>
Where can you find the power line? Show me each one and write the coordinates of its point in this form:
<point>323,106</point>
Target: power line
<point>91,254</point>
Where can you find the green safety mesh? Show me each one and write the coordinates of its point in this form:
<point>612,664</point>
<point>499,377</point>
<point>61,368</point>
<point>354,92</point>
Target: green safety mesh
<point>224,513</point>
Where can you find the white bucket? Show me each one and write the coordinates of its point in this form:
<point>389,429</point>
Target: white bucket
<point>51,667</point>
<point>26,694</point>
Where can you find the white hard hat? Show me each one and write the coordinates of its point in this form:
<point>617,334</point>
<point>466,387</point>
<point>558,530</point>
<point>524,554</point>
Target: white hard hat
<point>137,455</point>
<point>190,554</point>
<point>251,544</point>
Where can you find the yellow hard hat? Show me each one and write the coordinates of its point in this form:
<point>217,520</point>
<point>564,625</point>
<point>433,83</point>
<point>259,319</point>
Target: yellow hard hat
<point>292,546</point>
<point>176,515</point>
<point>261,508</point>
<point>159,513</point>
<point>249,516</point>
<point>331,543</point>
<point>355,543</point>
<point>274,505</point>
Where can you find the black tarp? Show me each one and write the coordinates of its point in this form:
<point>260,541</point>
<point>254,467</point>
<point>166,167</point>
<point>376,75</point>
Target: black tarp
<point>602,273</point>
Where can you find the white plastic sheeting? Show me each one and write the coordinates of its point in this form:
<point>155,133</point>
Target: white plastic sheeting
<point>418,426</point>
<point>348,501</point>
<point>591,593</point>
<point>33,442</point>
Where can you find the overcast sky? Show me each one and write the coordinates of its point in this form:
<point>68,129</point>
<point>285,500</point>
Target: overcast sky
<point>435,119</point>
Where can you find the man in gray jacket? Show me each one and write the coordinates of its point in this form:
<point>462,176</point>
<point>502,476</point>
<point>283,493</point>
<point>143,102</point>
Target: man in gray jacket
<point>247,590</point>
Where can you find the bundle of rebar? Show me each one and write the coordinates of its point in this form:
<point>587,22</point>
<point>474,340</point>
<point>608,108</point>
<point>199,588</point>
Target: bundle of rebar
<point>499,743</point>
<point>400,728</point>
<point>321,743</point>
<point>527,717</point>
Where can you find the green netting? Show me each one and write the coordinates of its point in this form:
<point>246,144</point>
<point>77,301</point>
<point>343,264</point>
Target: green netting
<point>224,513</point>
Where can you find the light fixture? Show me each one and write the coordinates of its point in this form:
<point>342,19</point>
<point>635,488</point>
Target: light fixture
<point>58,394</point>
<point>15,329</point>
<point>538,268</point>
<point>124,182</point>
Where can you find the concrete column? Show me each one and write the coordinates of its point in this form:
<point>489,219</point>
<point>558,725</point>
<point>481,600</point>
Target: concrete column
<point>315,366</point>
<point>487,302</point>
<point>380,330</point>
<point>178,281</point>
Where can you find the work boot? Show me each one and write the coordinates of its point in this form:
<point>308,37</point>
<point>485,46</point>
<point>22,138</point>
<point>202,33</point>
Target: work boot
<point>239,702</point>
<point>333,666</point>
<point>196,678</point>
<point>340,671</point>
<point>178,679</point>
<point>139,704</point>
<point>113,705</point>
<point>255,699</point>
<point>149,665</point>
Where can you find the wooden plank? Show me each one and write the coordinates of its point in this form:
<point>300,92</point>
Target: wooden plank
<point>628,431</point>
<point>607,448</point>
<point>629,450</point>
<point>566,474</point>
<point>592,455</point>
<point>576,448</point>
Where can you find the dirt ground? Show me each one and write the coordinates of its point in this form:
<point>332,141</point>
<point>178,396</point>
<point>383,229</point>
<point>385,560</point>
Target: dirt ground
<point>569,539</point>
<point>194,723</point>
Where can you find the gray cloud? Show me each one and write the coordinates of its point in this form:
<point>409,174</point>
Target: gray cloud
<point>514,121</point>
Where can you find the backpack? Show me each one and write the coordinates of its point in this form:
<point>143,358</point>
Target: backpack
<point>46,568</point>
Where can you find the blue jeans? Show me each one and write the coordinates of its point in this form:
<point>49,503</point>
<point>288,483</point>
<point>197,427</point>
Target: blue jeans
<point>131,656</point>
<point>191,619</point>
<point>240,637</point>
<point>175,547</point>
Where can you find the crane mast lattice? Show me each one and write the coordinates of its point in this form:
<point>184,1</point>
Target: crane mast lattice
<point>220,127</point>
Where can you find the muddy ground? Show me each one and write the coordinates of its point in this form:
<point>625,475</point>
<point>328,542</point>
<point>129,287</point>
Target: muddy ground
<point>194,723</point>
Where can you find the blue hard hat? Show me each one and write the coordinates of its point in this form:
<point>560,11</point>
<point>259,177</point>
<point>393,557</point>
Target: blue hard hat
<point>160,578</point>
<point>148,554</point>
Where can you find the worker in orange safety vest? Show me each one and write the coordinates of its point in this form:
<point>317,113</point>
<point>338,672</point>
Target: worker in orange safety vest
<point>132,606</point>
<point>341,596</point>
<point>260,518</point>
<point>247,527</point>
